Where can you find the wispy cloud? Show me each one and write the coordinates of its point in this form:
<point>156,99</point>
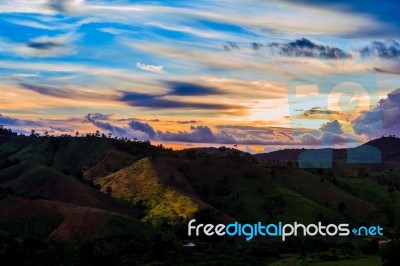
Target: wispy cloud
<point>188,122</point>
<point>191,89</point>
<point>143,127</point>
<point>227,63</point>
<point>330,133</point>
<point>22,123</point>
<point>126,131</point>
<point>162,102</point>
<point>384,50</point>
<point>382,119</point>
<point>31,24</point>
<point>306,48</point>
<point>43,46</point>
<point>46,46</point>
<point>64,93</point>
<point>264,15</point>
<point>151,68</point>
<point>65,6</point>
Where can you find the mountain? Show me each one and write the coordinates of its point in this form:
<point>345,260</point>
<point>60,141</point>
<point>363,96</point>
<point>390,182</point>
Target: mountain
<point>117,193</point>
<point>389,148</point>
<point>159,186</point>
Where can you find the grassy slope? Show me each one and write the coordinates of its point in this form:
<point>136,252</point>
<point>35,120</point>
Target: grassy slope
<point>249,193</point>
<point>59,220</point>
<point>140,183</point>
<point>44,182</point>
<point>327,194</point>
<point>370,190</point>
<point>107,162</point>
<point>174,189</point>
<point>248,197</point>
<point>42,173</point>
<point>63,154</point>
<point>388,203</point>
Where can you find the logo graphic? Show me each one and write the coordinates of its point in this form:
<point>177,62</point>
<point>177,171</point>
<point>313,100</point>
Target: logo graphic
<point>279,229</point>
<point>340,95</point>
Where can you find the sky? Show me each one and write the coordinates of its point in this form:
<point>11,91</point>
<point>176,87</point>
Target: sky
<point>262,75</point>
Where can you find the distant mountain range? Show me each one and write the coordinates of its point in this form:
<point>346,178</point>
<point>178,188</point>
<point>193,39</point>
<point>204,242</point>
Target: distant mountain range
<point>388,146</point>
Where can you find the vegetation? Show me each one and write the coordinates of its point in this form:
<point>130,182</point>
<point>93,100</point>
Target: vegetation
<point>140,185</point>
<point>97,199</point>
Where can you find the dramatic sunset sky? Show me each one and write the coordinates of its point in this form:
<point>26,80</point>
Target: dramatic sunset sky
<point>259,74</point>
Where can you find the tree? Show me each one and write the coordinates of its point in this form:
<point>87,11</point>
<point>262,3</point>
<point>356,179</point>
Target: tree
<point>390,251</point>
<point>222,149</point>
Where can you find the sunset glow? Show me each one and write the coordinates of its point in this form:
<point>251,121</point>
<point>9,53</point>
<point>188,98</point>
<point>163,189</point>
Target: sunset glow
<point>187,75</point>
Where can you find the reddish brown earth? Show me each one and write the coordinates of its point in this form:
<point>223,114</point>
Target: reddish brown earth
<point>68,221</point>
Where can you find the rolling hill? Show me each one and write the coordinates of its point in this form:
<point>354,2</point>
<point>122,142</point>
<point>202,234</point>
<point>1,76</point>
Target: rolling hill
<point>388,146</point>
<point>92,188</point>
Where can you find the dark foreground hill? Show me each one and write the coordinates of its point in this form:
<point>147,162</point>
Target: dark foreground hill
<point>126,202</point>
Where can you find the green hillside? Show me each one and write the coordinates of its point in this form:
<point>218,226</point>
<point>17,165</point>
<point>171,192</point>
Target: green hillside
<point>139,183</point>
<point>121,191</point>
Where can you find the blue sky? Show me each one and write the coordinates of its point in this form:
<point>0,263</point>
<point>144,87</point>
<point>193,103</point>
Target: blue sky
<point>203,73</point>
